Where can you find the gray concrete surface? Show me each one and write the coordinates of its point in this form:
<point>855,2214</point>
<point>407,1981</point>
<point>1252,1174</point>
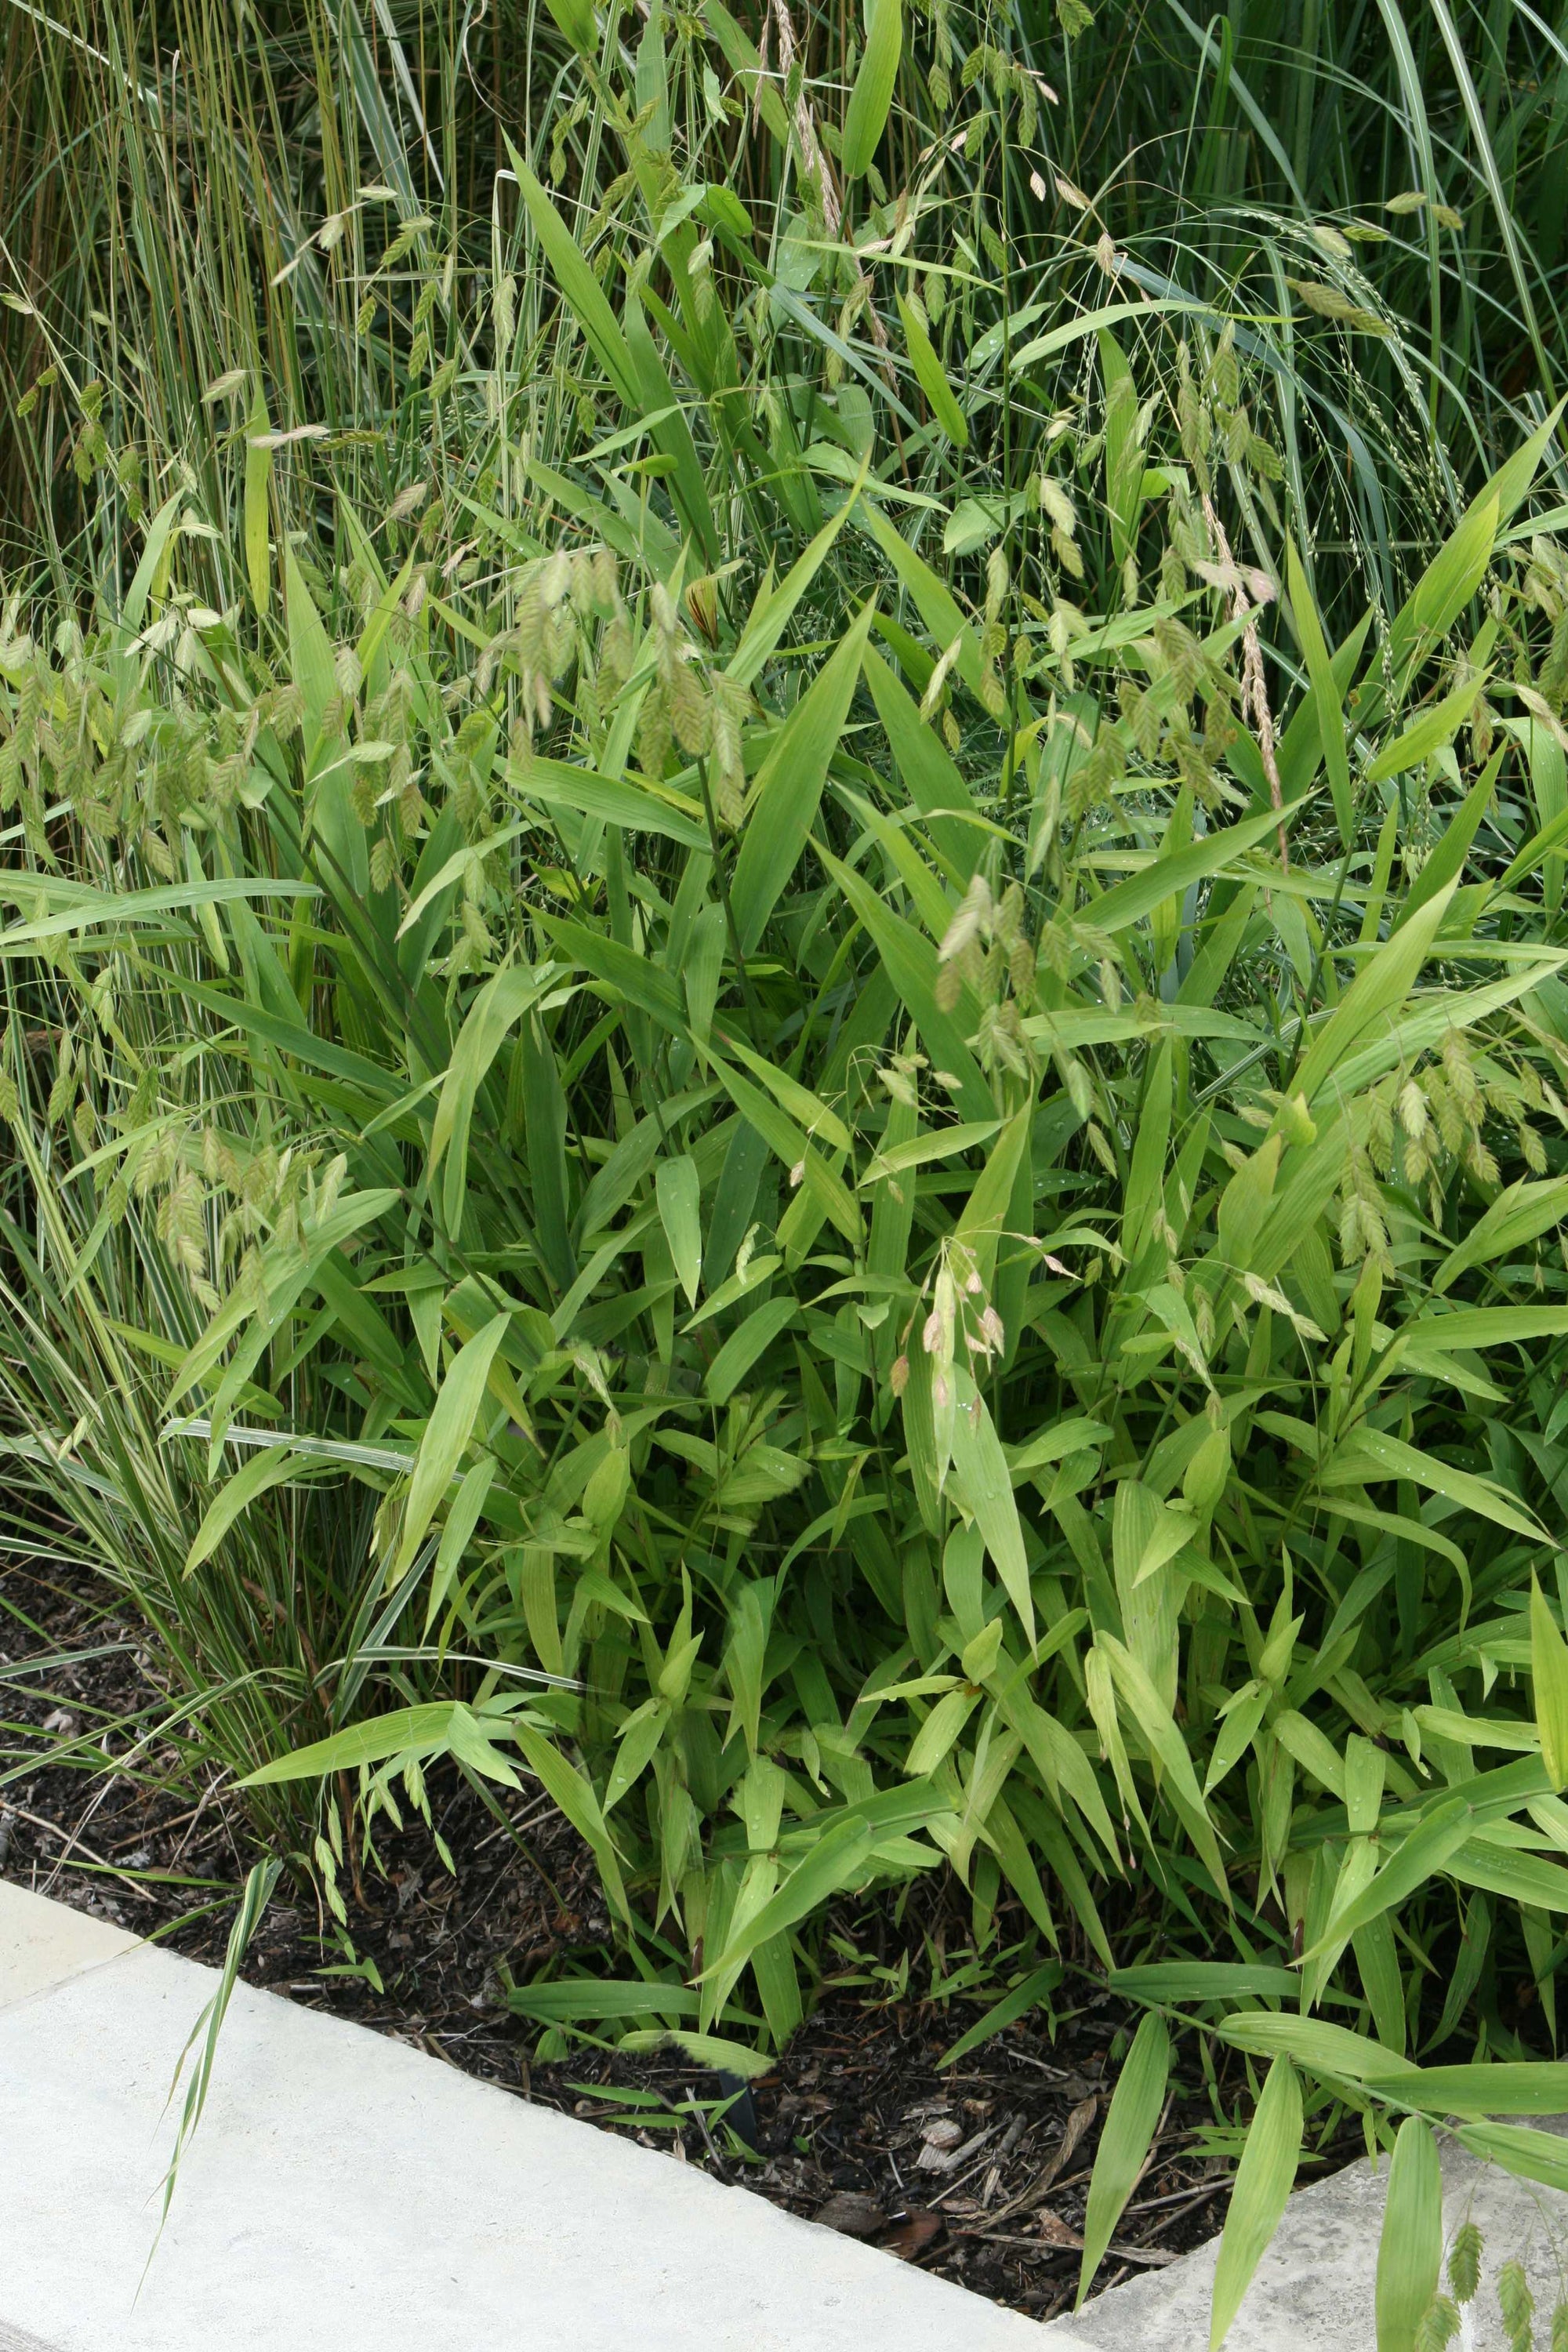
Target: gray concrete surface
<point>42,1943</point>
<point>1313,2291</point>
<point>346,2194</point>
<point>13,2340</point>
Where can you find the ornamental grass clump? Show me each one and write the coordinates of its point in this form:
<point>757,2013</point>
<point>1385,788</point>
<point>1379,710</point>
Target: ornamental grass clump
<point>786,1043</point>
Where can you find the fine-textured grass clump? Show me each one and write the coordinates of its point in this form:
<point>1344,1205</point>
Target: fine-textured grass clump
<point>786,1036</point>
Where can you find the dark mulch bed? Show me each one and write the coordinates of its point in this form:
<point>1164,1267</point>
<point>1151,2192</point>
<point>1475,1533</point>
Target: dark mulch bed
<point>978,2172</point>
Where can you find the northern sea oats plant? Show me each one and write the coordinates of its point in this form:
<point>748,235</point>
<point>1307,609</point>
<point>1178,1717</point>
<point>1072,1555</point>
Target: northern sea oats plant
<point>785,1034</point>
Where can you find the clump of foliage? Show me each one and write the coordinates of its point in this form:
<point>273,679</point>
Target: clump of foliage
<point>790,1046</point>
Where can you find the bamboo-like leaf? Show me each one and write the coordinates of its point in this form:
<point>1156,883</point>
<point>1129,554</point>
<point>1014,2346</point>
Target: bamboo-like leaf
<point>1529,2155</point>
<point>247,1483</point>
<point>576,280</point>
<point>407,1731</point>
<point>679,1189</point>
<point>258,483</point>
<point>932,377</point>
<point>1410,2248</point>
<point>832,1862</point>
<point>987,1487</point>
<point>1029,1994</point>
<point>573,1794</point>
<point>1429,733</point>
<point>872,94</point>
<point>1379,988</point>
<point>1128,902</point>
<point>1548,1679</point>
<point>1420,1857</point>
<point>1124,2143</point>
<point>745,1344</point>
<point>1263,2179</point>
<point>784,798</point>
<point>446,1435</point>
<point>1326,692</point>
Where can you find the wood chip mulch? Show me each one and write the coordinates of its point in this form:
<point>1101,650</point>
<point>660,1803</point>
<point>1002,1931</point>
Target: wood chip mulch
<point>978,2172</point>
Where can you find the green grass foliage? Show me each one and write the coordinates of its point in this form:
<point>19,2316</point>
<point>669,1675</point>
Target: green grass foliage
<point>785,1037</point>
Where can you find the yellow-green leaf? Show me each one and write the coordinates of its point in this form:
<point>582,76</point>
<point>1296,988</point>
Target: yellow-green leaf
<point>258,480</point>
<point>1548,1673</point>
<point>867,115</point>
<point>1410,2250</point>
<point>1124,2143</point>
<point>932,377</point>
<point>1263,2179</point>
<point>447,1435</point>
<point>1325,691</point>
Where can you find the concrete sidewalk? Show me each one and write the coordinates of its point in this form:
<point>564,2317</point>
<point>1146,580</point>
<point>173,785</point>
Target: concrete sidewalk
<point>346,2194</point>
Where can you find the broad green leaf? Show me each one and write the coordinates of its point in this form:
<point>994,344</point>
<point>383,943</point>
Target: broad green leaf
<point>986,1487</point>
<point>1377,991</point>
<point>1537,2155</point>
<point>580,288</point>
<point>1124,2143</point>
<point>1410,2249</point>
<point>745,1344</point>
<point>461,1520</point>
<point>446,1435</point>
<point>866,114</point>
<point>586,1999</point>
<point>1074,1435</point>
<point>833,1864</point>
<point>1549,1677</point>
<point>575,1797</point>
<point>261,1472</point>
<point>1322,2048</point>
<point>788,1144</point>
<point>979,1228</point>
<point>1439,596</point>
<point>1483,1327</point>
<point>911,963</point>
<point>679,1189</point>
<point>1036,1988</point>
<point>147,579</point>
<point>783,801</point>
<point>919,1150</point>
<point>1159,1727</point>
<point>714,2053</point>
<point>1521,1212</point>
<point>407,1731</point>
<point>931,375</point>
<point>773,612</point>
<point>1533,2087</point>
<point>821,1124</point>
<point>1371,1453</point>
<point>1123,456</point>
<point>1263,2179</point>
<point>640,810</point>
<point>1168,1980</point>
<point>929,774</point>
<point>1325,689</point>
<point>1446,862</point>
<point>1429,733</point>
<point>1421,1857</point>
<point>497,1009</point>
<point>1128,902</point>
<point>257,484</point>
<point>544,1127</point>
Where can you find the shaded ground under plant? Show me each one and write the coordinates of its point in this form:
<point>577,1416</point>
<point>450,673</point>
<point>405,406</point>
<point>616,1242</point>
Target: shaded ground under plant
<point>977,2171</point>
